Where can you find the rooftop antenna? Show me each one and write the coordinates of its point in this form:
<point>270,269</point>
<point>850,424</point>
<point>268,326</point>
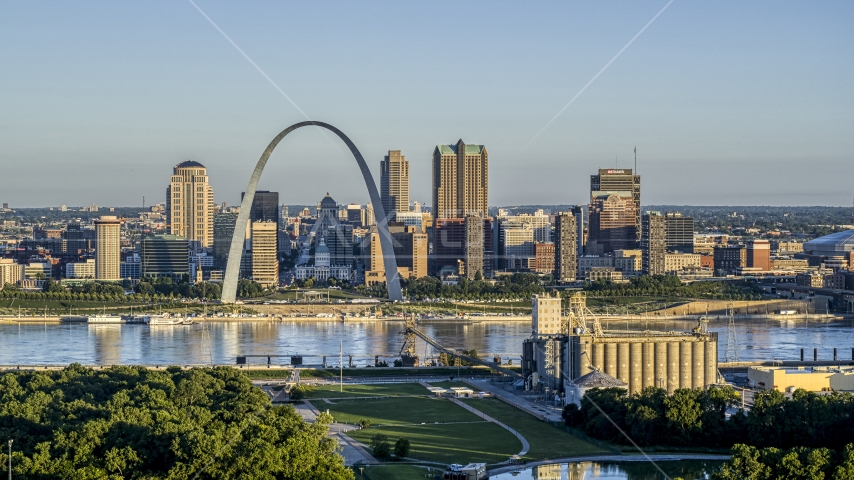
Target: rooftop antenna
<point>636,159</point>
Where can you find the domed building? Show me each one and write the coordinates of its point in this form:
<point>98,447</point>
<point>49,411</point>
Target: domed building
<point>835,250</point>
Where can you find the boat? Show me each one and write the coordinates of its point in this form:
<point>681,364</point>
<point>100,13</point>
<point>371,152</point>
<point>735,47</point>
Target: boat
<point>166,319</point>
<point>116,320</point>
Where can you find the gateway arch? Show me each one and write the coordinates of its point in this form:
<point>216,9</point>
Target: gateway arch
<point>232,269</point>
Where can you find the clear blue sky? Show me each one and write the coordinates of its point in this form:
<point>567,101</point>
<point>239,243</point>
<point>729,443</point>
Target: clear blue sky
<point>729,103</point>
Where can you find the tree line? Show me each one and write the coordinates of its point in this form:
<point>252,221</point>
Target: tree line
<point>669,285</point>
<point>132,422</point>
<point>697,418</point>
<point>158,289</point>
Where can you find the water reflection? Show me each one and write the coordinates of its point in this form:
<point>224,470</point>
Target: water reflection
<point>179,344</point>
<point>687,469</point>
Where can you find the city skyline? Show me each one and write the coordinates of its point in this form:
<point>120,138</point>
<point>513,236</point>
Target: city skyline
<point>127,95</point>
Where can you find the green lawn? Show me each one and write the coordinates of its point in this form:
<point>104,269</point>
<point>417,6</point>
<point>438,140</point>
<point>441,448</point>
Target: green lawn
<point>402,410</point>
<point>359,390</point>
<point>292,295</point>
<point>450,443</point>
<point>547,441</point>
<point>395,472</point>
<point>332,373</point>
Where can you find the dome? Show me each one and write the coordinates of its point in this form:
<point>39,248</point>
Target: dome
<point>839,243</point>
<point>328,202</point>
<point>190,164</point>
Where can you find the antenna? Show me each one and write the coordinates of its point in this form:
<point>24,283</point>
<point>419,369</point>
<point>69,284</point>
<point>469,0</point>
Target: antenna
<point>636,159</point>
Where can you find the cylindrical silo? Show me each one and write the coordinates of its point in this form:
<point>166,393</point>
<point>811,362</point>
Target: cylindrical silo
<point>698,362</point>
<point>636,367</point>
<point>648,364</point>
<point>711,361</point>
<point>623,361</point>
<point>660,371</point>
<point>611,359</point>
<point>598,356</point>
<point>685,364</point>
<point>585,356</point>
<point>672,366</point>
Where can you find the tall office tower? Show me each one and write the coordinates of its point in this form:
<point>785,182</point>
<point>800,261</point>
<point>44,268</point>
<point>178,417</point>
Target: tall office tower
<point>223,232</point>
<point>265,206</point>
<point>410,250</point>
<point>190,203</point>
<point>460,181</point>
<point>76,240</point>
<point>265,260</point>
<point>474,251</point>
<point>164,256</point>
<point>619,182</point>
<point>580,239</point>
<point>680,232</point>
<point>653,243</point>
<point>566,247</point>
<point>612,223</point>
<point>394,183</point>
<point>339,240</point>
<point>108,233</point>
<point>759,254</point>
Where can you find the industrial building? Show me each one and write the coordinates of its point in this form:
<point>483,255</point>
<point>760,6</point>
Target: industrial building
<point>814,379</point>
<point>563,348</point>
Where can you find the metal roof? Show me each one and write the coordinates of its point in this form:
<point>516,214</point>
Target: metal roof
<point>597,379</point>
<point>189,164</point>
<point>835,242</point>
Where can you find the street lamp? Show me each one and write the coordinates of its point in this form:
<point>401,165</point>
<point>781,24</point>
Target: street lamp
<point>10,459</point>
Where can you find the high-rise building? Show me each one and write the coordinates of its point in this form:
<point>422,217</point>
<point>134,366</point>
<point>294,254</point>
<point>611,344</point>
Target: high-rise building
<point>394,183</point>
<point>729,258</point>
<point>339,240</point>
<point>108,249</point>
<point>654,243</point>
<point>164,256</point>
<point>620,182</point>
<point>410,251</point>
<point>190,204</point>
<point>474,251</point>
<point>546,315</point>
<point>679,232</point>
<point>544,258</point>
<point>612,223</point>
<point>759,255</point>
<point>265,206</point>
<point>265,259</point>
<point>460,181</point>
<point>10,272</point>
<point>566,247</point>
<point>223,232</point>
<point>516,245</point>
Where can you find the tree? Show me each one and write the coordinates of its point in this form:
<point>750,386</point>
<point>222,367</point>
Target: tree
<point>401,447</point>
<point>380,446</point>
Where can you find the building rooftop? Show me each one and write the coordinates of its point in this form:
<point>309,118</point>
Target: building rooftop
<point>452,149</point>
<point>189,164</point>
<point>597,379</point>
<point>835,243</point>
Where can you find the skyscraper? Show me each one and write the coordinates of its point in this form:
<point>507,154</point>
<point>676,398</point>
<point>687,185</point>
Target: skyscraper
<point>566,247</point>
<point>679,232</point>
<point>164,256</point>
<point>108,248</point>
<point>224,223</point>
<point>190,203</point>
<point>265,260</point>
<point>619,182</point>
<point>265,206</point>
<point>394,183</point>
<point>612,223</point>
<point>460,181</point>
<point>474,249</point>
<point>653,243</point>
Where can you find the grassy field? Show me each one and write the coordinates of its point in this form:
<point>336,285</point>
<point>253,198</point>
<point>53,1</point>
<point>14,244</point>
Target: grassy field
<point>398,411</point>
<point>547,441</point>
<point>450,443</point>
<point>298,295</point>
<point>395,472</point>
<point>357,390</point>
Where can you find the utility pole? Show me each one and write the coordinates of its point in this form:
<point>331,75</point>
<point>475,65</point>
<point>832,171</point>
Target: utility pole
<point>341,365</point>
<point>10,459</point>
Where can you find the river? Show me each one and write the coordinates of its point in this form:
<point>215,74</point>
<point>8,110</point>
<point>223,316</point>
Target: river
<point>58,344</point>
<point>642,470</point>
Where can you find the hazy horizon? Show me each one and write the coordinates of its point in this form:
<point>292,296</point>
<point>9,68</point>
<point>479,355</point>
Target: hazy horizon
<point>747,104</point>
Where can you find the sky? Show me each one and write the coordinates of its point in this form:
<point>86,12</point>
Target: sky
<point>728,103</point>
